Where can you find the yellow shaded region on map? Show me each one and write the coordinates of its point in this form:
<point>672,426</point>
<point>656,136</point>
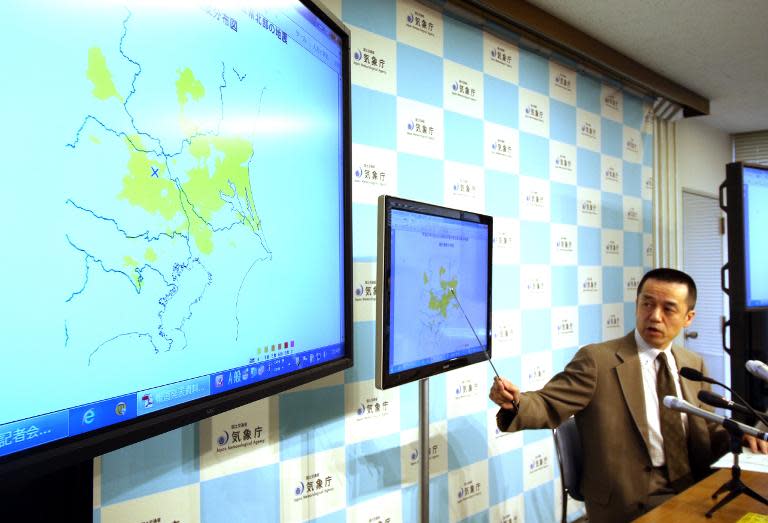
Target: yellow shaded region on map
<point>229,178</point>
<point>99,74</point>
<point>147,185</point>
<point>150,255</point>
<point>439,302</point>
<point>188,86</point>
<point>132,265</point>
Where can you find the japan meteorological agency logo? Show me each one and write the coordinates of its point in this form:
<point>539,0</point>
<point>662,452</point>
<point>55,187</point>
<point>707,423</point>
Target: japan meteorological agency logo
<point>223,439</point>
<point>358,55</point>
<point>299,490</point>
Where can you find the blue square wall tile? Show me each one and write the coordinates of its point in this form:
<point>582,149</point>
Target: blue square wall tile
<point>427,85</point>
<point>463,43</point>
<point>534,72</point>
<point>233,498</point>
<point>588,93</point>
<point>534,156</point>
<point>501,101</point>
<point>374,118</point>
<point>463,139</point>
<point>502,194</point>
<point>377,16</point>
<point>562,126</point>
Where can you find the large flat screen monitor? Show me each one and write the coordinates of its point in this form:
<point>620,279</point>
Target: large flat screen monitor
<point>434,290</point>
<point>175,201</point>
<point>755,219</point>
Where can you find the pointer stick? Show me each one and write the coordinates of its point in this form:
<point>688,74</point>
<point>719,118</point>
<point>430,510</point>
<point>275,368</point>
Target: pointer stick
<point>475,333</point>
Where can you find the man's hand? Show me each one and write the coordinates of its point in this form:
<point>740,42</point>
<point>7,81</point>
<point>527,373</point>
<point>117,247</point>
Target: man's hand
<point>754,444</point>
<point>504,393</point>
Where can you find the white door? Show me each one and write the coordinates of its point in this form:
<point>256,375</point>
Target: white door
<point>702,259</point>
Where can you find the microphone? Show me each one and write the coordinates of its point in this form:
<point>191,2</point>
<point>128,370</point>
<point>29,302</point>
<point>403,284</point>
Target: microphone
<point>679,405</point>
<point>695,375</point>
<point>713,400</point>
<point>757,369</point>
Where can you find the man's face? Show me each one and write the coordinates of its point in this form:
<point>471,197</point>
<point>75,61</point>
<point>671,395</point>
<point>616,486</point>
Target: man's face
<point>662,311</point>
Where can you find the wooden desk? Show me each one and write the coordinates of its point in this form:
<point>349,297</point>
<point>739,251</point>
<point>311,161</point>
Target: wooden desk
<point>691,505</point>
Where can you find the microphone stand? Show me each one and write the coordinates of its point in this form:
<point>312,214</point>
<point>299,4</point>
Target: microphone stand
<point>734,486</point>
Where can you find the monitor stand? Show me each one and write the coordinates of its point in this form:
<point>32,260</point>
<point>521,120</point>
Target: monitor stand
<point>65,494</point>
<point>424,450</point>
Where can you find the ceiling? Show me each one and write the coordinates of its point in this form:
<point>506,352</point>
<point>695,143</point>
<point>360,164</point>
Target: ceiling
<point>716,48</point>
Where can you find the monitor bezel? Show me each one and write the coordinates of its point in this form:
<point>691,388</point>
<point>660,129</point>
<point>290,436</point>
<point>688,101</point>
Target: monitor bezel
<point>385,379</point>
<point>35,464</point>
<point>745,239</point>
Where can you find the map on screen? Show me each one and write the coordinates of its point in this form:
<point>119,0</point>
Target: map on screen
<point>174,202</point>
<point>430,256</point>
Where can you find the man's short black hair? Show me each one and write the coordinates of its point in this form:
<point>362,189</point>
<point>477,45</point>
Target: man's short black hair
<point>671,276</point>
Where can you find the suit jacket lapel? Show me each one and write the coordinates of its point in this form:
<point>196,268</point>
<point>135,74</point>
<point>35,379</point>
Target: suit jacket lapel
<point>688,387</point>
<point>631,381</point>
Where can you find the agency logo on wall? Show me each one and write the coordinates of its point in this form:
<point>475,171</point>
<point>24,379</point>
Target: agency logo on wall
<point>501,148</point>
<point>612,103</point>
<point>420,27</point>
<point>500,59</point>
<point>386,508</point>
<point>562,83</point>
<point>562,162</point>
<point>537,464</point>
<point>536,370</point>
<point>463,90</point>
<point>648,253</point>
<point>588,130</point>
<point>239,440</point>
<point>313,486</point>
<point>613,321</point>
<point>534,112</point>
<point>565,330</point>
<point>179,504</point>
<point>373,61</point>
<point>588,207</point>
<point>506,333</point>
<point>563,245</point>
<point>500,442</point>
<point>419,128</point>
<point>437,450</point>
<point>506,241</point>
<point>535,286</point>
<point>468,488</point>
<point>611,179</point>
<point>369,411</point>
<point>632,277</point>
<point>374,173</point>
<point>633,214</point>
<point>464,186</point>
<point>364,289</point>
<point>534,199</point>
<point>465,390</point>
<point>511,510</point>
<point>613,247</point>
<point>632,145</point>
<point>647,190</point>
<point>590,281</point>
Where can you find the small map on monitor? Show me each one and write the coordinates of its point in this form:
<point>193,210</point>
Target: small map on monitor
<point>432,258</point>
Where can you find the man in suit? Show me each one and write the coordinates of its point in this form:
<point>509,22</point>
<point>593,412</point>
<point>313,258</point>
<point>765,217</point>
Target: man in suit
<point>637,453</point>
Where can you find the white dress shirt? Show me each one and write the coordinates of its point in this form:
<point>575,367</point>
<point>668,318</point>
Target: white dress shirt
<point>649,366</point>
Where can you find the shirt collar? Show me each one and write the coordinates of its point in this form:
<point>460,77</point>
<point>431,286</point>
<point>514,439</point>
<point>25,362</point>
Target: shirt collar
<point>646,350</point>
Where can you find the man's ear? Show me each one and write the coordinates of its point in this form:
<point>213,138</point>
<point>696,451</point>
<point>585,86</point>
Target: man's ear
<point>689,317</point>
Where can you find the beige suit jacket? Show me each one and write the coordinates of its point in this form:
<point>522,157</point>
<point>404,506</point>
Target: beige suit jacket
<point>602,386</point>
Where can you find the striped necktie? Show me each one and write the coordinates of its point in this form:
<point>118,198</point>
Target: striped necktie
<point>675,445</point>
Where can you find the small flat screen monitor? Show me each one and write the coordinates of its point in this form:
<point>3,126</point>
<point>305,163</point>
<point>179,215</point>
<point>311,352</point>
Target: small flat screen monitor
<point>176,216</point>
<point>755,219</point>
<point>434,282</point>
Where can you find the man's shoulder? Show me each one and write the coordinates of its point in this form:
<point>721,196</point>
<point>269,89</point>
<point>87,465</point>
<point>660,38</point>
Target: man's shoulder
<point>612,346</point>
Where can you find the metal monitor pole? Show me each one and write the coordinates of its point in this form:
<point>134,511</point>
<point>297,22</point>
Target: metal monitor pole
<point>424,450</point>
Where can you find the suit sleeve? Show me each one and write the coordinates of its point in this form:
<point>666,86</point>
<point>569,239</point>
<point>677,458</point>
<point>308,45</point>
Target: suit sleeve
<point>565,394</point>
